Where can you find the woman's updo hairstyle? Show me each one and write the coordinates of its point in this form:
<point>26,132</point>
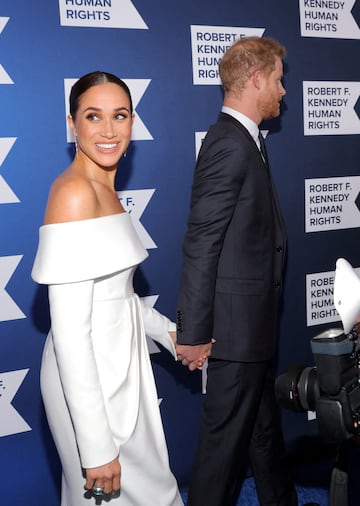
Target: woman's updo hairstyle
<point>92,79</point>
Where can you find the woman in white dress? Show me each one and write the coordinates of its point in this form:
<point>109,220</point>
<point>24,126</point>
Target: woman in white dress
<point>96,377</point>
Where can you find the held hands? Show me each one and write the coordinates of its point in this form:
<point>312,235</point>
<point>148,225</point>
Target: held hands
<point>172,334</point>
<point>194,356</point>
<point>104,480</point>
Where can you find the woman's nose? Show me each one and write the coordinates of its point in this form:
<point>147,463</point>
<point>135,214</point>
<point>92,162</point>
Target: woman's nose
<point>108,129</point>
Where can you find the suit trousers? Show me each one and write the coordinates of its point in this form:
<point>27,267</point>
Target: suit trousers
<point>240,419</point>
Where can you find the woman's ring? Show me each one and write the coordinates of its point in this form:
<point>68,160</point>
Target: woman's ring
<point>98,491</point>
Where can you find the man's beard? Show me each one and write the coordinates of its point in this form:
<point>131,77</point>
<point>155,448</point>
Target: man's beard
<point>268,107</point>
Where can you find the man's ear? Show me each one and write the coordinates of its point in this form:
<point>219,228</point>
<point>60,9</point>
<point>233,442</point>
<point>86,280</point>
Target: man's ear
<point>256,79</point>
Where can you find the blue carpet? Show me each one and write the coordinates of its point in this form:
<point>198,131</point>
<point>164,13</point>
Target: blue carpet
<point>248,495</point>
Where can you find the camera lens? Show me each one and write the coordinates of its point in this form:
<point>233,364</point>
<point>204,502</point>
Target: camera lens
<point>297,389</point>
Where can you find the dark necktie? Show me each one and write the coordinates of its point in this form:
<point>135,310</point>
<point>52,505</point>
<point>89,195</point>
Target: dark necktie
<point>263,148</point>
<point>274,194</point>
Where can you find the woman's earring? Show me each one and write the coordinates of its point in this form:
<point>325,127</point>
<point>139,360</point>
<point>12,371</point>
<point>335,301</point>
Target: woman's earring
<point>76,144</point>
<point>125,154</point>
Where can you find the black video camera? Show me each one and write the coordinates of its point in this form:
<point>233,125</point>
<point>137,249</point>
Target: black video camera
<point>331,389</point>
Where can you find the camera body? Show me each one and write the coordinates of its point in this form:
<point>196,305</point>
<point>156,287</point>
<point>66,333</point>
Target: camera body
<point>331,388</point>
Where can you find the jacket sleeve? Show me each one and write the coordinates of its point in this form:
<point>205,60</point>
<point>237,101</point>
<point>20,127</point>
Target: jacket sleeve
<point>67,260</point>
<point>218,177</point>
<point>70,309</point>
<point>158,326</point>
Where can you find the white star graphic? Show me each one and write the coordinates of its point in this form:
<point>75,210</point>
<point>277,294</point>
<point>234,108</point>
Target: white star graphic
<point>7,196</point>
<point>135,202</point>
<point>8,309</point>
<point>10,420</point>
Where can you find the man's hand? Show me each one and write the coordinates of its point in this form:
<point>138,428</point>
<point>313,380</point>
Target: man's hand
<point>194,356</point>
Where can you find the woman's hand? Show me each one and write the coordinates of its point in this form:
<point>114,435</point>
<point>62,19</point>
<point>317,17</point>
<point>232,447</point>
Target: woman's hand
<point>173,336</point>
<point>106,477</point>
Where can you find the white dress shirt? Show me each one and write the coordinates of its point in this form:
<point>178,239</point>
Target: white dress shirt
<point>248,123</point>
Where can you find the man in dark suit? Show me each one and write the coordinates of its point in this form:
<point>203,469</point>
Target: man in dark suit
<point>233,256</point>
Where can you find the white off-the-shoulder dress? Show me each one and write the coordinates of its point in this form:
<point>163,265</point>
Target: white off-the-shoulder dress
<point>97,381</point>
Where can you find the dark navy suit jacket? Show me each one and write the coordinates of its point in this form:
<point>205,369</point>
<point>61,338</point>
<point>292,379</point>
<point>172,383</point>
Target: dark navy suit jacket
<point>233,251</point>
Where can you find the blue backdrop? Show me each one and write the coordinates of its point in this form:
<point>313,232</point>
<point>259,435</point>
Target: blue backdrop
<point>167,52</point>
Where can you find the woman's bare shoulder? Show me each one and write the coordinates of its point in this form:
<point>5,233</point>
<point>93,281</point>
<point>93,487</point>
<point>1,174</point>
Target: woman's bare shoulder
<point>72,197</point>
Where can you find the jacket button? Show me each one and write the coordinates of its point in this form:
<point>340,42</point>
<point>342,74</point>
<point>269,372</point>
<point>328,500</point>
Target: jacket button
<point>279,248</point>
<point>277,284</point>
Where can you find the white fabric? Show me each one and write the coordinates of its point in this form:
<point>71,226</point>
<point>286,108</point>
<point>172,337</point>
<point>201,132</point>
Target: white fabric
<point>248,123</point>
<point>105,403</point>
<point>87,249</point>
<point>347,294</point>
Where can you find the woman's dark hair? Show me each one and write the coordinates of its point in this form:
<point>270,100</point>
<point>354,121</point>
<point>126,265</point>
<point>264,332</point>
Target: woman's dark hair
<point>92,79</point>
